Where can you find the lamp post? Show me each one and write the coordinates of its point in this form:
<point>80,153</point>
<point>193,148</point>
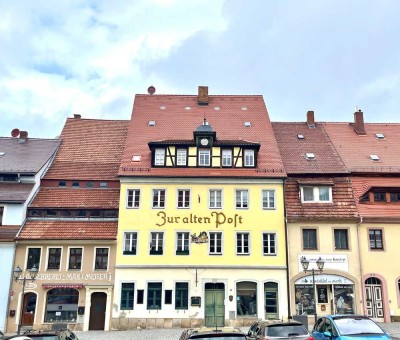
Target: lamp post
<point>21,278</point>
<point>320,265</point>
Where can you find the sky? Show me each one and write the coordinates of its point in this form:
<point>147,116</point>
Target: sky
<point>87,57</point>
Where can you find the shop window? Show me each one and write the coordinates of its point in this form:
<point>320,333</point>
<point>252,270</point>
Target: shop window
<point>75,258</point>
<point>33,258</point>
<point>183,198</point>
<point>130,243</point>
<point>268,199</point>
<point>159,198</point>
<point>304,299</point>
<point>67,299</point>
<point>101,261</point>
<point>344,299</point>
<point>242,244</point>
<point>156,243</point>
<point>127,296</point>
<point>242,199</point>
<point>246,298</point>
<point>182,243</point>
<point>375,239</point>
<point>133,198</point>
<point>341,239</point>
<point>181,295</point>
<point>309,239</point>
<point>269,244</point>
<point>154,292</point>
<point>215,243</point>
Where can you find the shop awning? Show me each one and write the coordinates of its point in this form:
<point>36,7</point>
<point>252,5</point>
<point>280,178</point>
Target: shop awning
<point>60,285</point>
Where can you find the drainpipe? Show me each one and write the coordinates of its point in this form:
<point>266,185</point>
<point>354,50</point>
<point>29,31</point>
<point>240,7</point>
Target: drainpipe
<point>361,266</point>
<point>287,255</point>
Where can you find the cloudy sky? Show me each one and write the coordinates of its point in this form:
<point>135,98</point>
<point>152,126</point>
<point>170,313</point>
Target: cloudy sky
<point>91,57</point>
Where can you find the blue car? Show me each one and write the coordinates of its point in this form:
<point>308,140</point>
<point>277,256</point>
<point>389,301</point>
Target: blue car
<point>348,327</point>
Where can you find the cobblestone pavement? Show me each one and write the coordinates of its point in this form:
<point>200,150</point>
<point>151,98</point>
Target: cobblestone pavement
<point>393,328</point>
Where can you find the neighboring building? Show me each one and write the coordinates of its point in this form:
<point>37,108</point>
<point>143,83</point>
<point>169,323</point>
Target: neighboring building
<point>23,161</point>
<point>372,153</point>
<point>71,230</point>
<point>201,234</point>
<point>321,221</point>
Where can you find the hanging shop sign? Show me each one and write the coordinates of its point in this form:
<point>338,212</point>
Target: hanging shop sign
<point>201,238</point>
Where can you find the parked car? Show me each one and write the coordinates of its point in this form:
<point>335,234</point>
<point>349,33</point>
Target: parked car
<point>62,334</point>
<point>219,333</point>
<point>270,329</point>
<point>347,327</point>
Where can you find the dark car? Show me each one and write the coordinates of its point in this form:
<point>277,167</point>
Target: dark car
<point>347,327</point>
<point>220,333</point>
<point>293,330</point>
<point>63,334</point>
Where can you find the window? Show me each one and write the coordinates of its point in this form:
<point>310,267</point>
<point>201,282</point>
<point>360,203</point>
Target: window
<point>242,199</point>
<point>75,184</point>
<point>246,298</point>
<point>75,258</point>
<point>159,157</point>
<point>103,184</point>
<point>215,243</point>
<point>316,194</point>
<point>204,157</point>
<point>248,157</point>
<point>101,261</point>
<point>379,196</point>
<point>242,244</point>
<point>182,243</point>
<point>394,197</point>
<point>154,290</point>
<point>226,157</point>
<point>158,198</point>
<point>310,239</point>
<point>375,239</point>
<point>61,305</point>
<point>215,199</point>
<point>341,239</point>
<point>127,296</point>
<point>130,243</point>
<point>181,157</point>
<point>62,183</point>
<point>181,295</point>
<point>183,198</point>
<point>268,199</point>
<point>157,243</point>
<point>269,244</point>
<point>133,198</point>
<point>33,258</point>
<point>54,258</point>
<point>89,185</point>
<point>1,215</point>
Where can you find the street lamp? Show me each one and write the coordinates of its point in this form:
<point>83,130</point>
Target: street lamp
<point>320,265</point>
<point>21,279</point>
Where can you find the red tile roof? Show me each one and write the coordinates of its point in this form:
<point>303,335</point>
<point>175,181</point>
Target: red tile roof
<point>15,192</point>
<point>316,141</point>
<point>68,230</point>
<point>343,206</point>
<point>8,232</point>
<point>178,116</point>
<point>91,149</point>
<point>76,198</point>
<point>355,149</point>
<point>370,211</point>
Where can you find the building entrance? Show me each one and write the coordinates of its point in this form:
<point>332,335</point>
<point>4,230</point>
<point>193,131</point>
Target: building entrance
<point>214,305</point>
<point>97,311</point>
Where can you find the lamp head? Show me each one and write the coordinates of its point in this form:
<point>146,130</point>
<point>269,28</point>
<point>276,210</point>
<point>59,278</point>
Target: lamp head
<point>17,272</point>
<point>320,264</point>
<point>33,272</point>
<point>304,263</point>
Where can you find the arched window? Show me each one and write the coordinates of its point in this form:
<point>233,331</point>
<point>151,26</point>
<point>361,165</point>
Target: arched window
<point>61,305</point>
<point>246,298</point>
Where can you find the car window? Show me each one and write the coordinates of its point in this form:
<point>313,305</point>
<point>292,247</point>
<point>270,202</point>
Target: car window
<point>319,325</point>
<point>286,330</point>
<point>253,330</point>
<point>347,326</point>
<point>220,337</point>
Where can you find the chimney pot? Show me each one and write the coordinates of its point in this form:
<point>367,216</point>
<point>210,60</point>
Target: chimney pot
<point>23,136</point>
<point>77,116</point>
<point>359,127</point>
<point>310,119</point>
<point>202,98</point>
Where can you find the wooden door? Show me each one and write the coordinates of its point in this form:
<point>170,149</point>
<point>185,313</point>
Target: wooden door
<point>97,311</point>
<point>28,312</point>
<point>374,300</point>
<point>214,305</point>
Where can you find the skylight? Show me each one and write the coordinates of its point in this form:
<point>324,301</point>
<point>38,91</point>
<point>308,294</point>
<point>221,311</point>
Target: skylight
<point>2,154</point>
<point>300,136</point>
<point>310,155</point>
<point>247,124</point>
<point>374,157</point>
<point>136,158</point>
<point>152,123</point>
<point>380,135</point>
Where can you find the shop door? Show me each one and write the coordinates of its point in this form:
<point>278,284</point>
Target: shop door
<point>271,300</point>
<point>28,314</point>
<point>374,301</point>
<point>214,305</point>
<point>97,311</point>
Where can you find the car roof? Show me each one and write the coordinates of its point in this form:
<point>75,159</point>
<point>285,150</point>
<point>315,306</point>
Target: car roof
<point>211,330</point>
<point>278,322</point>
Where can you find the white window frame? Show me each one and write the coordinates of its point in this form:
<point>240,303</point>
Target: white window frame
<point>131,241</point>
<point>181,157</point>
<point>40,259</point>
<point>269,234</point>
<point>242,199</point>
<point>48,258</point>
<point>213,236</point>
<point>316,194</point>
<point>134,204</point>
<point>158,235</point>
<point>213,192</point>
<point>267,202</point>
<point>69,255</point>
<point>158,204</point>
<point>94,258</point>
<point>186,202</point>
<point>159,156</point>
<point>204,158</point>
<point>226,157</point>
<point>249,157</point>
<point>243,237</point>
<point>180,243</point>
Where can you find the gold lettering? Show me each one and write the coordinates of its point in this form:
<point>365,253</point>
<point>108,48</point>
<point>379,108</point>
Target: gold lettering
<point>220,218</point>
<point>161,214</point>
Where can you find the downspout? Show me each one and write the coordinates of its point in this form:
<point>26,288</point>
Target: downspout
<point>287,255</point>
<point>361,266</point>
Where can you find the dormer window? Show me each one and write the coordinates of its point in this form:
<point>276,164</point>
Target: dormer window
<point>310,156</point>
<point>204,157</point>
<point>249,158</point>
<point>380,136</point>
<point>227,157</point>
<point>159,156</point>
<point>374,158</point>
<point>316,194</point>
<point>181,155</point>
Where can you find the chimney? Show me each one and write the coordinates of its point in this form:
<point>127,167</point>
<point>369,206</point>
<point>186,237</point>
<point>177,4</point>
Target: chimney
<point>359,122</point>
<point>23,136</point>
<point>77,116</point>
<point>202,98</point>
<point>310,119</point>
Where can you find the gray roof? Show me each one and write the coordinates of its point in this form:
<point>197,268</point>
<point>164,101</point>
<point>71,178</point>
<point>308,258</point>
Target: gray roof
<point>15,192</point>
<point>25,157</point>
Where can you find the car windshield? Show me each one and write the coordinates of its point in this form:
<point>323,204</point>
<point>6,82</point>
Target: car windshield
<point>286,330</point>
<point>220,336</point>
<point>349,326</point>
<point>43,337</point>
